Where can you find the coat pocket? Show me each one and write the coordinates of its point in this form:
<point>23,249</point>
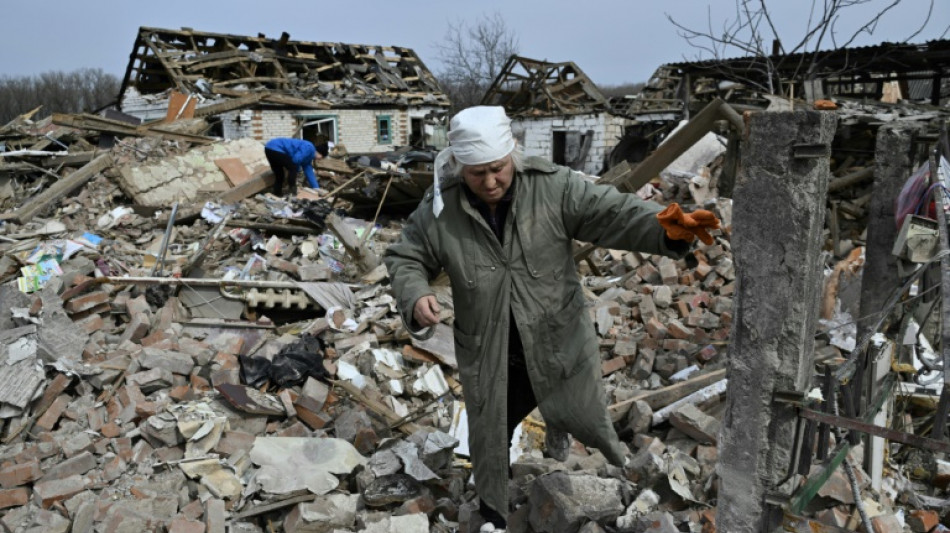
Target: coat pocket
<point>467,353</point>
<point>569,334</point>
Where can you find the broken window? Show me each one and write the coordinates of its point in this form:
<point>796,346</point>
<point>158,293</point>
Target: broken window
<point>318,127</point>
<point>570,148</point>
<point>383,129</point>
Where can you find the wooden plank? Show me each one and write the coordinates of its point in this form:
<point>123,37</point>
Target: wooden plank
<point>234,169</point>
<point>180,106</point>
<point>662,397</point>
<point>673,147</point>
<point>59,190</point>
<point>377,407</point>
<point>229,105</point>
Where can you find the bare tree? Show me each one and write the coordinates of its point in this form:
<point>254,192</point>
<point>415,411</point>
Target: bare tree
<point>751,32</point>
<point>472,55</point>
<point>78,91</point>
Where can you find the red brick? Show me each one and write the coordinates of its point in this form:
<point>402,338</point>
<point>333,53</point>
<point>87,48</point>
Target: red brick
<point>702,270</point>
<point>123,448</point>
<point>612,365</point>
<point>86,302</point>
<point>886,523</point>
<point>20,474</point>
<point>91,323</point>
<point>14,497</point>
<point>923,521</point>
<point>137,329</point>
<point>110,430</point>
<point>48,492</point>
<point>153,338</point>
<point>51,416</point>
<point>194,510</point>
<point>656,329</point>
<point>678,331</point>
<point>181,524</point>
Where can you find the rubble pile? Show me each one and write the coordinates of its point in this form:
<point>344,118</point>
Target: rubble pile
<point>245,368</point>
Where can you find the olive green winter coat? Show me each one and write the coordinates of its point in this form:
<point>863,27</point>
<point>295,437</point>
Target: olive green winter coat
<point>533,274</point>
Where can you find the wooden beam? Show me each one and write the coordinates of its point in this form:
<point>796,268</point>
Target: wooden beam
<point>59,190</point>
<point>662,397</point>
<point>675,145</point>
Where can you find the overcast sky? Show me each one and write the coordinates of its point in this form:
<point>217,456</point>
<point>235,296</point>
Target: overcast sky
<point>613,41</point>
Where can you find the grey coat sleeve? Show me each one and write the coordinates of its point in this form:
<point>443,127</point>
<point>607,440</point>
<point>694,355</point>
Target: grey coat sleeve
<point>411,263</point>
<point>602,215</point>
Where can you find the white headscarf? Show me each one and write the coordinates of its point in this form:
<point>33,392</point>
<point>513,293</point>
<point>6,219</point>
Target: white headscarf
<point>477,135</point>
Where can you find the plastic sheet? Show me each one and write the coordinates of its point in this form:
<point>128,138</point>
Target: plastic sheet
<point>291,366</point>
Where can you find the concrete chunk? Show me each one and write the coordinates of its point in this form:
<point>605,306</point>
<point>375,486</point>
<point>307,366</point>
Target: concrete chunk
<point>562,503</point>
<point>695,423</point>
<point>175,362</point>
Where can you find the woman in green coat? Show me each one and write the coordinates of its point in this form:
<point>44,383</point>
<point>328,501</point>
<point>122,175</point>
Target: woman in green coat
<point>501,226</point>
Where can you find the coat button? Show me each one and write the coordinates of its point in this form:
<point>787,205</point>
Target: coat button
<point>493,268</point>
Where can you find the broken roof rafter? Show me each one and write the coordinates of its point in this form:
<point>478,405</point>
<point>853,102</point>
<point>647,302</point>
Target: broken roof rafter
<point>180,59</point>
<point>532,87</point>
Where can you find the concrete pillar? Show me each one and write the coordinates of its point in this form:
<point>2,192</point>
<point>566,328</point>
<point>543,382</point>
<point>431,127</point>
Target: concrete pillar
<point>892,166</point>
<point>779,210</point>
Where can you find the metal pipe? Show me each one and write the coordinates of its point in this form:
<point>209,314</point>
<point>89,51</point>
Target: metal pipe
<point>160,265</point>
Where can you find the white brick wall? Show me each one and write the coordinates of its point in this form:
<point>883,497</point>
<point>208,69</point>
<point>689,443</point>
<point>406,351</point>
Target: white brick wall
<point>356,128</point>
<point>539,135</point>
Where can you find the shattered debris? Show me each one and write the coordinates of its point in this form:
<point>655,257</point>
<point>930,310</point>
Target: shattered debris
<point>241,363</point>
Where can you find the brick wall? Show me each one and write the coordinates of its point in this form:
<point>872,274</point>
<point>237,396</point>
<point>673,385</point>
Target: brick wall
<point>537,135</point>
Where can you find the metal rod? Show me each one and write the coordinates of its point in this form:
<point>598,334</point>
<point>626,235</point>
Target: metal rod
<point>889,434</point>
<point>160,265</point>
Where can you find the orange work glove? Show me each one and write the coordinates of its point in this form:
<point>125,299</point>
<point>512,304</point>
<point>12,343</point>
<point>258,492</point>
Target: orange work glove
<point>682,226</point>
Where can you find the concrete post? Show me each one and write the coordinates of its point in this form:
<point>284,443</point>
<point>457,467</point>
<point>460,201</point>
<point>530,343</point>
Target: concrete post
<point>893,164</point>
<point>778,218</point>
<point>892,167</point>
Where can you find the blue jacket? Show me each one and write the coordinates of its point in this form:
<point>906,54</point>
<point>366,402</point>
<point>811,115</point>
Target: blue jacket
<point>301,153</point>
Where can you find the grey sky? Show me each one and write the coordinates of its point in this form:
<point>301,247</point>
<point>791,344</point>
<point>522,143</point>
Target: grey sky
<point>613,41</point>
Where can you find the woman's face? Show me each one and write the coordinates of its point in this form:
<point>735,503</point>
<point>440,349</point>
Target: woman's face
<point>489,181</point>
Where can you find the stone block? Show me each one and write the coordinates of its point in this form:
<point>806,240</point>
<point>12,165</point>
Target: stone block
<point>695,423</point>
<point>136,329</point>
<point>173,361</point>
<point>562,503</point>
<point>643,366</point>
<point>639,417</point>
<point>151,380</point>
<point>76,465</point>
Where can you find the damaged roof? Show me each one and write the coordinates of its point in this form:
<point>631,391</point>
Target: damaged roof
<point>338,74</point>
<point>535,88</point>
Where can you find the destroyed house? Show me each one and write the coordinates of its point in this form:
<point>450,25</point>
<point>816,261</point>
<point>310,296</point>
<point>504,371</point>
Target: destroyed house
<point>557,112</point>
<point>369,98</point>
<point>915,73</point>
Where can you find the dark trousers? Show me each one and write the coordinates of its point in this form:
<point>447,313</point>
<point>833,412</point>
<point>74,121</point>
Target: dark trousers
<point>283,168</point>
<point>521,402</point>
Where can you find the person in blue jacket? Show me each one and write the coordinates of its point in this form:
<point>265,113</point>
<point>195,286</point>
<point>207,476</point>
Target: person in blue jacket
<point>286,156</point>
